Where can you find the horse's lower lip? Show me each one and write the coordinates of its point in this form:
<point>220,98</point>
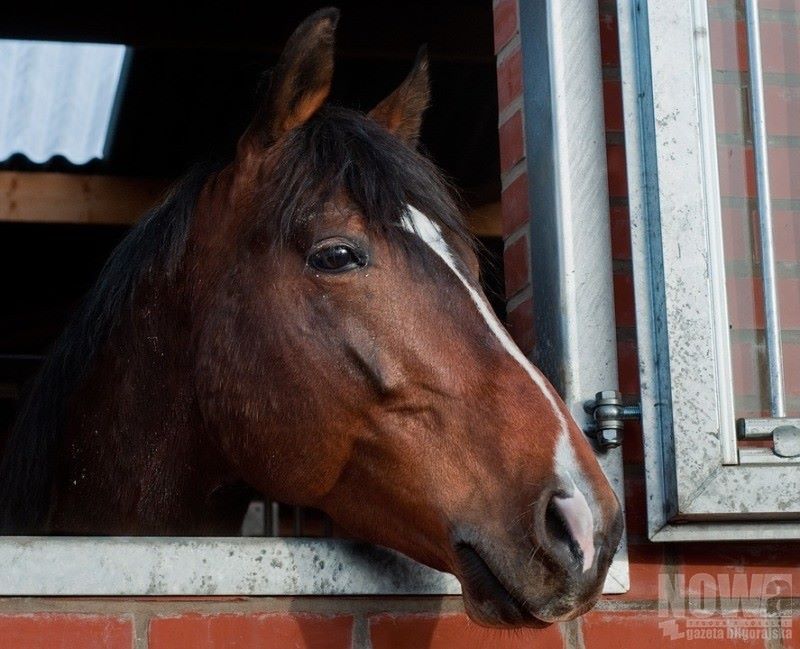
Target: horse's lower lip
<point>482,584</point>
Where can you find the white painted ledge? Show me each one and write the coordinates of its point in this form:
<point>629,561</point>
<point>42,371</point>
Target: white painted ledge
<point>144,566</point>
<point>94,566</point>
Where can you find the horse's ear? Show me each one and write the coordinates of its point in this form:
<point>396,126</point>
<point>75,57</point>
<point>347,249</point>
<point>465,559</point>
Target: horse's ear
<point>300,82</point>
<point>401,112</point>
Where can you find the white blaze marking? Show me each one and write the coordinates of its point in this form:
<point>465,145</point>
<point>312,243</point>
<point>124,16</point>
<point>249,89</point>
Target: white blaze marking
<point>575,509</point>
<point>416,222</point>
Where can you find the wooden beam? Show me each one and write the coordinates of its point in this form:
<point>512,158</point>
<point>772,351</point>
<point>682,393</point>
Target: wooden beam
<point>43,197</point>
<point>485,220</point>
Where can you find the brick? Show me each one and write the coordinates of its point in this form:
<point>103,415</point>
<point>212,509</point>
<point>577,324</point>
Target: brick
<point>745,302</point>
<point>628,361</point>
<point>617,172</point>
<point>646,563</point>
<point>229,631</point>
<point>755,560</point>
<point>786,228</point>
<point>736,177</point>
<point>505,23</point>
<point>509,79</point>
<point>780,5</point>
<point>512,142</point>
<point>612,630</point>
<point>515,205</point>
<point>779,51</point>
<point>454,632</point>
<point>737,233</point>
<point>782,106</point>
<point>791,368</point>
<point>624,308</point>
<point>745,299</point>
<point>521,326</point>
<point>728,44</point>
<point>620,233</point>
<point>783,165</point>
<point>516,264</point>
<point>632,445</point>
<point>736,172</point>
<point>747,376</point>
<point>729,108</point>
<point>612,105</point>
<point>609,39</point>
<point>65,631</point>
<point>635,507</point>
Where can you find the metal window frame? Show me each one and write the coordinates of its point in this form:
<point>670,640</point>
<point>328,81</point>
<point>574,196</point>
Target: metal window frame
<point>699,486</point>
<point>570,238</point>
<point>566,153</point>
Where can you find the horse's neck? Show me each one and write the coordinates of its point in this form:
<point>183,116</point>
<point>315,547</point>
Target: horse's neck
<point>134,458</point>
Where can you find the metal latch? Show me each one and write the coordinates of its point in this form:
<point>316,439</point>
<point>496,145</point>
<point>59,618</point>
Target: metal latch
<point>784,431</point>
<point>609,414</point>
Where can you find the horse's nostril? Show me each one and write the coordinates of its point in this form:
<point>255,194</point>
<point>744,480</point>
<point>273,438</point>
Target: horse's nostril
<point>558,532</point>
<point>569,523</point>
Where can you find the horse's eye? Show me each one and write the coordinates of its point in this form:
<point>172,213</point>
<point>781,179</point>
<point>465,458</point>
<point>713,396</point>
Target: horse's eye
<point>337,258</point>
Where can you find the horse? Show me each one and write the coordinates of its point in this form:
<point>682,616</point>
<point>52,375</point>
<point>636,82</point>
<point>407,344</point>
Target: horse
<point>306,321</point>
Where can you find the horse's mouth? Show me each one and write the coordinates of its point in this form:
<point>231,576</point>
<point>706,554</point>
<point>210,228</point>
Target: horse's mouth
<point>488,599</point>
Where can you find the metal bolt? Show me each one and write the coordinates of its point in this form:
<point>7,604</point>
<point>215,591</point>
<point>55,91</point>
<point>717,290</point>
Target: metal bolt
<point>609,437</point>
<point>608,414</point>
<point>607,395</point>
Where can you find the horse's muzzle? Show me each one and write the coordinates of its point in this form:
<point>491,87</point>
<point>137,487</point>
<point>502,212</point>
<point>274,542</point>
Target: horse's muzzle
<point>555,573</point>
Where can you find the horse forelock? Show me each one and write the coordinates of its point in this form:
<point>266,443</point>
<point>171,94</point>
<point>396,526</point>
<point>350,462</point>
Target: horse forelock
<point>343,153</point>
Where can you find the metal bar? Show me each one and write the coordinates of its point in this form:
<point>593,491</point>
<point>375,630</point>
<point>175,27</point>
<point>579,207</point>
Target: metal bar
<point>761,428</point>
<point>275,519</point>
<point>761,160</point>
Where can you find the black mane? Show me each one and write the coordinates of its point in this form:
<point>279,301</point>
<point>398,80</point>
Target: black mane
<point>337,151</point>
<point>155,244</point>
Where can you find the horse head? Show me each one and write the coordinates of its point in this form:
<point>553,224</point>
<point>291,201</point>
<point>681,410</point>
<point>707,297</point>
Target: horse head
<point>346,358</point>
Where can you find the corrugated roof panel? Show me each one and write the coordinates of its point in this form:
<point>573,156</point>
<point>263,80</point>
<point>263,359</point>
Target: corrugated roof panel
<point>57,98</point>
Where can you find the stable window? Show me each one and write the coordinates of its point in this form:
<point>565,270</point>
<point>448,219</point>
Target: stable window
<point>713,200</point>
<point>560,44</point>
<point>91,134</point>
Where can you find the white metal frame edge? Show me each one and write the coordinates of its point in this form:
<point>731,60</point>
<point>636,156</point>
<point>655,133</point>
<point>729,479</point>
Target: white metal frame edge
<point>570,228</point>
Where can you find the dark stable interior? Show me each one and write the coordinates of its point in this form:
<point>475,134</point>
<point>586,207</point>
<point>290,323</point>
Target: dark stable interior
<point>189,92</point>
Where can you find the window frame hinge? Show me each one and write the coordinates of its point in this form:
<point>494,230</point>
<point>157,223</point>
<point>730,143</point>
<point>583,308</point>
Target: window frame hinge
<point>609,415</point>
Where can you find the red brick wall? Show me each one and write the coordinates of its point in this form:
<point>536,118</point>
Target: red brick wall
<point>439,623</point>
<point>514,174</point>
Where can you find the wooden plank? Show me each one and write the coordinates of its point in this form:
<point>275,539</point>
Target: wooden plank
<point>485,220</point>
<point>43,197</point>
